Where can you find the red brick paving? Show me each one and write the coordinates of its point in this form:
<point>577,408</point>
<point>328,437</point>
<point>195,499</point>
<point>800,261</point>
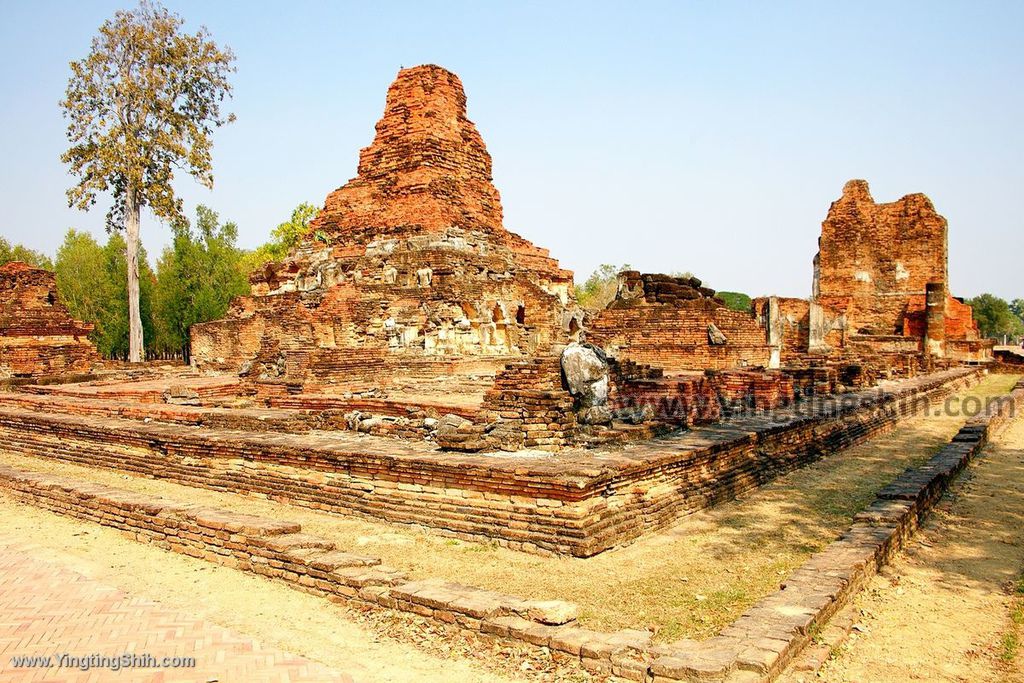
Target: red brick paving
<point>49,609</point>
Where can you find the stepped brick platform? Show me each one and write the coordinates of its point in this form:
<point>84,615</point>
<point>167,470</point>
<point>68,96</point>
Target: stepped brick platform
<point>754,648</point>
<point>149,390</point>
<point>573,502</point>
<point>247,419</point>
<point>404,405</point>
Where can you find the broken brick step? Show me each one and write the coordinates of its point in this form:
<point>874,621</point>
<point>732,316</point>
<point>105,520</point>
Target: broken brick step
<point>246,419</point>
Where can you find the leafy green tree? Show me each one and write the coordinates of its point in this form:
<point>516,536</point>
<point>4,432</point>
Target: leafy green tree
<point>285,237</point>
<point>737,301</point>
<point>142,105</point>
<point>197,276</point>
<point>20,252</point>
<point>995,317</point>
<point>82,281</point>
<point>92,278</point>
<point>100,299</point>
<point>599,289</point>
<point>1017,306</point>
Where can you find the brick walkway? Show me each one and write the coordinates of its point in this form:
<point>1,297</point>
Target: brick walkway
<point>48,609</point>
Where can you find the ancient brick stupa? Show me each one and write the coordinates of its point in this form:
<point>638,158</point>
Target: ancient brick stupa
<point>38,337</point>
<point>407,265</point>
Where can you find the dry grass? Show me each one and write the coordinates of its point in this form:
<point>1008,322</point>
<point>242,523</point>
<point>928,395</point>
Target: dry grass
<point>688,581</point>
<point>948,607</point>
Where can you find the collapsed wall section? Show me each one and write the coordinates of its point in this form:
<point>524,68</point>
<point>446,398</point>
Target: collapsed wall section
<point>38,337</point>
<point>881,281</point>
<point>676,324</point>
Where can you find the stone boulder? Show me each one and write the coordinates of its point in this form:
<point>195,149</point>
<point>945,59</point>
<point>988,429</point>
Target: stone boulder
<point>594,415</point>
<point>585,367</point>
<point>635,415</point>
<point>716,336</point>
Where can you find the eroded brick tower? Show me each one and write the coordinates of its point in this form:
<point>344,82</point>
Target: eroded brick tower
<point>407,264</point>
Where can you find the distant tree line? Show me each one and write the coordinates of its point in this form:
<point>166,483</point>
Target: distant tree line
<point>194,280</point>
<point>19,252</point>
<point>203,268</point>
<point>997,318</point>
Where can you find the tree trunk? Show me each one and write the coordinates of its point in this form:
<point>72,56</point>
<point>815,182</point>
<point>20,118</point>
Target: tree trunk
<point>135,346</point>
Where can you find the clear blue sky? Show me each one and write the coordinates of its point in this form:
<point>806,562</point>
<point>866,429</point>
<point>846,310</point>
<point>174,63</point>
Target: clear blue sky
<point>708,137</point>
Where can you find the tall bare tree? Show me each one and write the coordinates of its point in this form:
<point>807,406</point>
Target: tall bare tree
<point>140,106</point>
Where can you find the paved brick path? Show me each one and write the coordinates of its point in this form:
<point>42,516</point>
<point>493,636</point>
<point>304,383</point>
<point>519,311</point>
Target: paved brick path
<point>48,609</point>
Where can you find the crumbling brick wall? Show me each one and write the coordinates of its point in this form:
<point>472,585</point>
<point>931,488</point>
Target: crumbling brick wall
<point>873,257</point>
<point>875,263</point>
<point>959,319</point>
<point>676,324</point>
<point>787,325</point>
<point>531,395</point>
<point>37,334</point>
<point>682,400</point>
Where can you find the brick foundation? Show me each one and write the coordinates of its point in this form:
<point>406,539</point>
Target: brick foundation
<point>271,548</point>
<point>574,502</point>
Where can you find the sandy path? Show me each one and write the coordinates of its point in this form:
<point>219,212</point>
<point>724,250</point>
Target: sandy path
<point>270,612</point>
<point>940,611</point>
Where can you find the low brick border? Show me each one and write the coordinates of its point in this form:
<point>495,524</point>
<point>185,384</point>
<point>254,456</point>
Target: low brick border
<point>755,647</point>
<point>273,548</point>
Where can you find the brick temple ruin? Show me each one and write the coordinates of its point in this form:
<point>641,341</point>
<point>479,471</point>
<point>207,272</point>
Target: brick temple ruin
<point>38,337</point>
<point>414,360</point>
<point>409,302</point>
<point>408,283</point>
<point>407,265</point>
<point>880,294</point>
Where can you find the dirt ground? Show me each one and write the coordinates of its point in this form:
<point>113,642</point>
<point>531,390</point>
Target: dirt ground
<point>368,647</point>
<point>951,607</point>
<point>689,581</point>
